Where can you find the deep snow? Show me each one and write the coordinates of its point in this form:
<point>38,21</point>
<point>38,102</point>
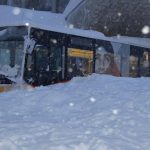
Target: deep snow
<point>98,112</point>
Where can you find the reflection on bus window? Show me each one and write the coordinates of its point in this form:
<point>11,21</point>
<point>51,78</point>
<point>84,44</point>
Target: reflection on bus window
<point>80,62</point>
<point>55,62</point>
<point>104,63</point>
<point>42,59</point>
<point>133,63</point>
<point>145,64</point>
<point>139,62</point>
<point>55,58</point>
<point>29,69</point>
<point>19,53</point>
<point>4,57</point>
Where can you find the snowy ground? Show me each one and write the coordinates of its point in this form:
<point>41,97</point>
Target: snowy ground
<point>98,112</point>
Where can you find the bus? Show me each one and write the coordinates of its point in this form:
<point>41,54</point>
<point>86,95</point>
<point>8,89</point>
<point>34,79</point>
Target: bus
<point>35,56</point>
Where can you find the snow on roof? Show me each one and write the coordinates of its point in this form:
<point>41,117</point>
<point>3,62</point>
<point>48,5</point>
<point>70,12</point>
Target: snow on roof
<point>136,41</point>
<point>44,20</point>
<point>13,16</point>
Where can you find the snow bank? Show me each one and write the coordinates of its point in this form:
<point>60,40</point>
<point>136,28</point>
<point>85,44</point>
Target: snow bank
<point>97,112</point>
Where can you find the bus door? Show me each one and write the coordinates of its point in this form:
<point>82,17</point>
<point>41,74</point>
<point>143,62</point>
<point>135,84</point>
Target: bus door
<point>37,66</point>
<point>79,62</point>
<point>43,66</point>
<point>56,68</point>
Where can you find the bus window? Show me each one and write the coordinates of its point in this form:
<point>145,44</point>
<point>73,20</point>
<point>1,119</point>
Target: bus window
<point>133,65</point>
<point>41,60</point>
<point>104,63</point>
<point>19,53</point>
<point>43,66</point>
<point>19,56</point>
<point>55,62</point>
<point>145,64</point>
<point>134,61</point>
<point>11,53</point>
<point>29,71</point>
<point>80,62</point>
<point>4,57</point>
<point>37,66</point>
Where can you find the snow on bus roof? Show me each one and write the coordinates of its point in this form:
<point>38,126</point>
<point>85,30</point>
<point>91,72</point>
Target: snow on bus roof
<point>13,16</point>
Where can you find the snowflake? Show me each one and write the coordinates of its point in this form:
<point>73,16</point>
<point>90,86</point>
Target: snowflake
<point>119,14</point>
<point>145,29</point>
<point>27,24</point>
<point>92,99</point>
<point>71,26</point>
<point>71,104</point>
<point>16,11</point>
<point>118,36</point>
<point>115,112</point>
<point>54,41</point>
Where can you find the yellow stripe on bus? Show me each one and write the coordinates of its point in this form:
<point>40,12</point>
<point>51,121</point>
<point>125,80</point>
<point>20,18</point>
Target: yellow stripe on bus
<point>5,87</point>
<point>9,87</point>
<point>73,52</point>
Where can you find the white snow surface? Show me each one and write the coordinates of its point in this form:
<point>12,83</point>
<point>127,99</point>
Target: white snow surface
<point>98,112</point>
<point>42,20</point>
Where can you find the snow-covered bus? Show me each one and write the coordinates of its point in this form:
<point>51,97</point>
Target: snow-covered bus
<point>41,48</point>
<point>42,57</point>
<point>37,56</point>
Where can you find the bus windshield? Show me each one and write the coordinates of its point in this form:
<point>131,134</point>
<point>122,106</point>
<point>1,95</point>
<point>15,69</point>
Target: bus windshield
<point>11,53</point>
<point>11,50</point>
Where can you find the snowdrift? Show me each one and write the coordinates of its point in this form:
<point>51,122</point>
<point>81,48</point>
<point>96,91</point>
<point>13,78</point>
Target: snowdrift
<point>97,112</point>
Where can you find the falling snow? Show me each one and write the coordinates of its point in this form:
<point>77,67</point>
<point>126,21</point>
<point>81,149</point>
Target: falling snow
<point>97,112</point>
<point>146,30</point>
<point>16,11</point>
